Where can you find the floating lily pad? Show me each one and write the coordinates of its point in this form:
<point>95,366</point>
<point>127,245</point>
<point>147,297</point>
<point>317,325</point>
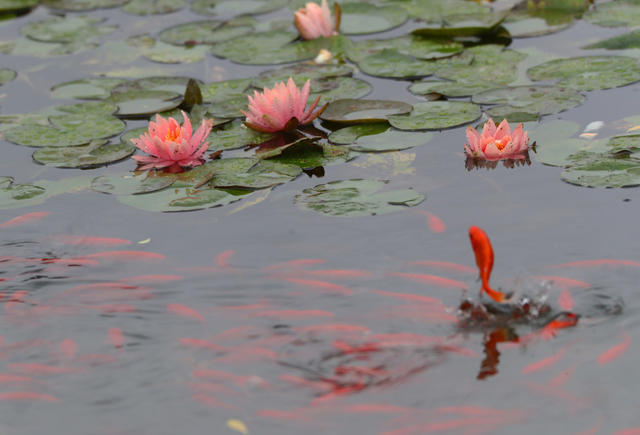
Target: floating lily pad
<point>180,199</point>
<point>590,72</point>
<point>436,115</point>
<point>24,195</point>
<point>309,157</point>
<point>353,111</point>
<point>340,87</point>
<point>83,5</point>
<point>603,170</point>
<point>251,173</point>
<point>12,6</point>
<point>77,28</point>
<point>418,47</point>
<point>362,18</point>
<point>97,88</point>
<point>300,73</point>
<point>221,91</point>
<point>203,32</point>
<point>151,7</point>
<point>67,130</point>
<point>622,42</point>
<point>133,184</point>
<point>450,11</point>
<point>227,8</point>
<point>167,53</point>
<point>97,153</point>
<point>235,135</point>
<point>523,25</point>
<point>451,89</point>
<point>615,14</point>
<point>486,63</point>
<point>173,84</point>
<point>392,64</point>
<point>378,138</point>
<point>6,75</point>
<point>356,198</point>
<point>465,30</point>
<point>134,104</point>
<point>533,100</point>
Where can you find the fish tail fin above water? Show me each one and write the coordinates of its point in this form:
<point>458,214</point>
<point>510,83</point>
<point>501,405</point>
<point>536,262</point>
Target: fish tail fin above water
<point>484,259</point>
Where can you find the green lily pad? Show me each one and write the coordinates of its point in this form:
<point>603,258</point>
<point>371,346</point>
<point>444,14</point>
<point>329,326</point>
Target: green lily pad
<point>356,197</point>
<point>378,137</point>
<point>485,63</point>
<point>173,84</point>
<point>301,72</point>
<point>229,8</point>
<point>450,11</point>
<point>12,6</point>
<point>363,18</point>
<point>627,144</point>
<point>354,111</point>
<point>83,5</point>
<point>66,130</point>
<point>203,32</point>
<point>77,28</point>
<point>251,173</point>
<point>615,14</point>
<point>418,47</point>
<point>451,89</point>
<point>97,88</point>
<point>393,64</point>
<point>340,87</point>
<point>309,157</point>
<point>466,30</point>
<point>180,199</point>
<point>590,72</point>
<point>533,100</point>
<point>84,157</point>
<point>622,42</point>
<point>523,25</point>
<point>133,184</point>
<point>230,108</point>
<point>235,135</point>
<point>135,104</point>
<point>167,53</point>
<point>602,170</point>
<point>152,7</point>
<point>274,47</point>
<point>6,75</point>
<point>24,195</point>
<point>436,115</point>
<point>221,91</point>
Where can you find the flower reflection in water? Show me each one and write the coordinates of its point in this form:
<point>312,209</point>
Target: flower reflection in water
<point>474,163</point>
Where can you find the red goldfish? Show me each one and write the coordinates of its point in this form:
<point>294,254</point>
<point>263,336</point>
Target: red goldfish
<point>484,259</point>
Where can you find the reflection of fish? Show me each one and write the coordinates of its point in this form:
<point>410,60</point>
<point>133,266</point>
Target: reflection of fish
<point>616,351</point>
<point>25,218</point>
<point>484,259</point>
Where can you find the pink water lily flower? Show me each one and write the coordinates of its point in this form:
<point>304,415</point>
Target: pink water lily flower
<point>315,21</point>
<point>497,143</point>
<point>171,144</point>
<point>282,108</point>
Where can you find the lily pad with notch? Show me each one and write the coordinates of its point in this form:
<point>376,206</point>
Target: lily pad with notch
<point>67,29</point>
<point>356,197</point>
<point>97,88</point>
<point>589,73</point>
<point>364,18</point>
<point>235,135</point>
<point>223,90</point>
<point>436,115</point>
<point>393,64</point>
<point>309,156</point>
<point>97,153</point>
<point>204,32</point>
<point>339,88</point>
<point>230,8</point>
<point>143,103</point>
<point>177,199</point>
<point>451,89</point>
<point>301,72</point>
<point>356,111</point>
<point>153,7</point>
<point>378,137</point>
<point>251,173</point>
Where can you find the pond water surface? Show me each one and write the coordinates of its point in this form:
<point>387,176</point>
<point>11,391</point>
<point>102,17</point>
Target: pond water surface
<point>292,321</point>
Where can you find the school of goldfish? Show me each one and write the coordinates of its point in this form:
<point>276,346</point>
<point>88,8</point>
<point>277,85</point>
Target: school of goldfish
<point>329,363</point>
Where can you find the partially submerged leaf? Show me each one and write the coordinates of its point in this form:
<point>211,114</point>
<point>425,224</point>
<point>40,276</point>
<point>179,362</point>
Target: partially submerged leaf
<point>354,111</point>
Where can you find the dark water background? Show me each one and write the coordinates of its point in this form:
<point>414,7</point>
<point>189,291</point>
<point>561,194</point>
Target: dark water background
<point>156,382</point>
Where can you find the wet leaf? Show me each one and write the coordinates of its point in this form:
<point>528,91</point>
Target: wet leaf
<point>450,11</point>
<point>354,111</point>
<point>180,199</point>
<point>523,25</point>
<point>393,64</point>
<point>451,89</point>
<point>485,63</point>
<point>378,138</point>
<point>602,170</point>
<point>83,5</point>
<point>224,90</point>
<point>363,18</point>
<point>76,28</point>
<point>6,75</point>
<point>340,87</point>
<point>532,100</point>
<point>300,73</point>
<point>356,197</point>
<point>251,173</point>
<point>167,53</point>
<point>436,115</point>
<point>590,72</point>
<point>227,8</point>
<point>151,7</point>
<point>229,108</point>
<point>203,32</point>
<point>133,184</point>
<point>136,104</point>
<point>97,88</point>
<point>24,195</point>
<point>418,47</point>
<point>556,141</point>
<point>615,14</point>
<point>96,154</point>
<point>235,135</point>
